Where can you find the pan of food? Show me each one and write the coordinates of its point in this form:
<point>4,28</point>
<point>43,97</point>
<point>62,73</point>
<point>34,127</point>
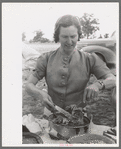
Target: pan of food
<point>90,139</point>
<point>70,126</point>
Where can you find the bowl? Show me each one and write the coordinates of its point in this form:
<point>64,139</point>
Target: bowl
<point>90,139</point>
<point>69,131</point>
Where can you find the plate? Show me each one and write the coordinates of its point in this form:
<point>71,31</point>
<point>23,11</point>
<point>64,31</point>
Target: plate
<point>90,139</point>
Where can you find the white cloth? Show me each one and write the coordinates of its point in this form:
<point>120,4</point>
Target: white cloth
<point>31,124</point>
<point>36,125</point>
<point>29,57</point>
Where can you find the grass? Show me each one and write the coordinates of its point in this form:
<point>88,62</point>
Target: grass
<point>41,47</point>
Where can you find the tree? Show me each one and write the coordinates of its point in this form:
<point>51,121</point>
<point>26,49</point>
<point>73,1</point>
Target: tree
<point>38,36</point>
<point>23,36</point>
<point>43,40</point>
<point>100,36</point>
<point>106,35</point>
<point>89,24</point>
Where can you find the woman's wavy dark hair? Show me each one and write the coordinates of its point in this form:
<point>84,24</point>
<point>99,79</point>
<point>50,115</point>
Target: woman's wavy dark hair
<point>65,21</point>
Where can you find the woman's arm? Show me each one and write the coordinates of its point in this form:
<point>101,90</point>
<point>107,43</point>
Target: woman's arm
<point>37,93</point>
<point>32,89</point>
<point>108,81</point>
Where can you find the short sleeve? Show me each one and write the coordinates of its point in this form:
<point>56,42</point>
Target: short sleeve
<point>98,66</point>
<point>41,65</point>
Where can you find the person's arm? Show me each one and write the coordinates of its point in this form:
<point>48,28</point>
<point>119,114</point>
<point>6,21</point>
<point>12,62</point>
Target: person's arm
<point>37,93</point>
<point>32,89</point>
<point>108,81</point>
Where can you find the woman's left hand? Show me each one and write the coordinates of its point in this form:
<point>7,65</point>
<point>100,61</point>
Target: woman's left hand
<point>90,92</point>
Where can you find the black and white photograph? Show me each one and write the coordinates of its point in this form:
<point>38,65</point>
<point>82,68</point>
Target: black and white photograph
<point>62,77</point>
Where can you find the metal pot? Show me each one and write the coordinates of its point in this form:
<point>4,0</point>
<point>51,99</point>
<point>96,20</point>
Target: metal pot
<point>70,131</point>
<point>90,139</point>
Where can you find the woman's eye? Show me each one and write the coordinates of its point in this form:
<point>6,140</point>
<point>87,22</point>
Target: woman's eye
<point>64,36</point>
<point>70,37</point>
<point>73,36</point>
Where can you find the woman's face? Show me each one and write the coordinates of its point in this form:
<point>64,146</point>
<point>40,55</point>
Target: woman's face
<point>68,38</point>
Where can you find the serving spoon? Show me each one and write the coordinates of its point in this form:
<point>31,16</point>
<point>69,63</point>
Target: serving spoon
<point>62,111</point>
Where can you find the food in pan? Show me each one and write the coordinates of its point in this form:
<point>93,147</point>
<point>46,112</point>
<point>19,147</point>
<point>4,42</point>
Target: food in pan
<point>77,118</point>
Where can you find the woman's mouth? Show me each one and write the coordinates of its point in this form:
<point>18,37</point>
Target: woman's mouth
<point>68,45</point>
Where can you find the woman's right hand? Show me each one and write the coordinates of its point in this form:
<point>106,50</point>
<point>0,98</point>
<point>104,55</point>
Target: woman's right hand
<point>47,101</point>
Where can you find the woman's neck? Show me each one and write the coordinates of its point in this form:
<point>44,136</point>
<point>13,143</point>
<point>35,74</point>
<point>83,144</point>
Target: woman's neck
<point>64,52</point>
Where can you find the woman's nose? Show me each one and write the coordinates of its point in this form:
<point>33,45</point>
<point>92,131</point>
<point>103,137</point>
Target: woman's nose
<point>69,41</point>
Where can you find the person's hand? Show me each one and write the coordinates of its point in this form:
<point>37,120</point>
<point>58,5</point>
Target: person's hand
<point>90,92</point>
<point>47,101</point>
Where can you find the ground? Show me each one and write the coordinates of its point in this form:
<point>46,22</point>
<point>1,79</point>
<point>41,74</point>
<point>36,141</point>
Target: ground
<point>102,108</point>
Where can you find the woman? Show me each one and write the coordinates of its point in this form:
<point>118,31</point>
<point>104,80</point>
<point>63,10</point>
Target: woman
<point>67,70</point>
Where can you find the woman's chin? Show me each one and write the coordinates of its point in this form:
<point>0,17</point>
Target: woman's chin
<point>68,49</point>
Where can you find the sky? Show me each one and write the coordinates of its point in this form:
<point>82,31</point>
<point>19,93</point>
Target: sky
<point>43,16</point>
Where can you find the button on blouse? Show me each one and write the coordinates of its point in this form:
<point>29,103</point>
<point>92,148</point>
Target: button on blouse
<point>63,77</point>
<point>65,59</point>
